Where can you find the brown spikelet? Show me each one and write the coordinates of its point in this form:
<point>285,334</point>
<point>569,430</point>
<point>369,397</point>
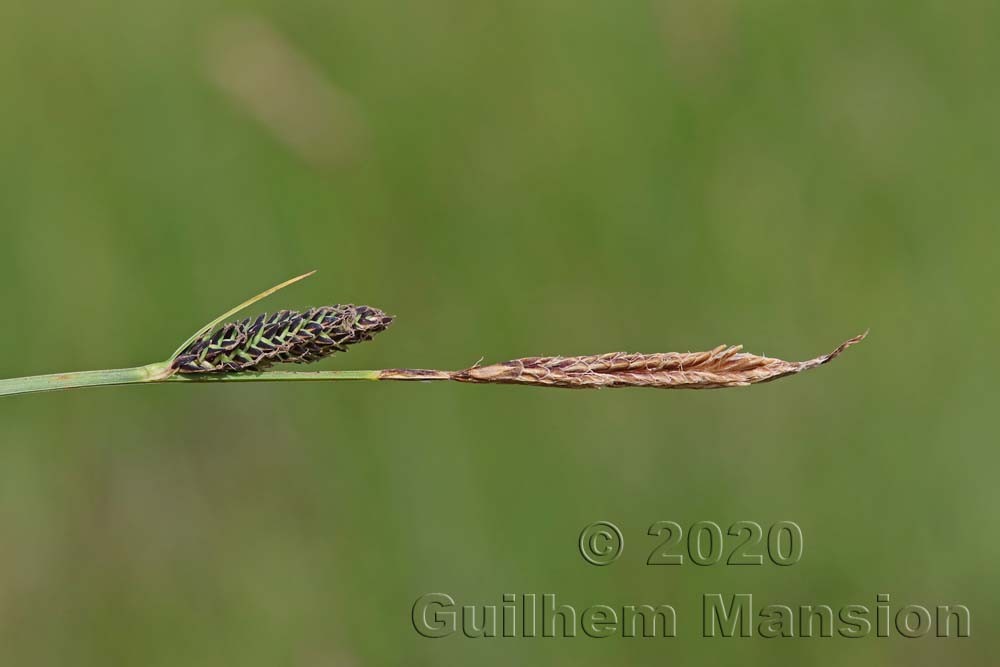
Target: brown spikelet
<point>721,367</point>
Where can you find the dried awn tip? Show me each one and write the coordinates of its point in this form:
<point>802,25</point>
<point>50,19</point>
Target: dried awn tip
<point>721,367</point>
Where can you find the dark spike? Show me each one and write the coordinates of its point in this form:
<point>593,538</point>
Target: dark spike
<point>285,336</point>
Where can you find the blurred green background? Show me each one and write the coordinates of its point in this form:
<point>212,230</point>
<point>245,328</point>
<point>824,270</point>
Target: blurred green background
<point>509,179</point>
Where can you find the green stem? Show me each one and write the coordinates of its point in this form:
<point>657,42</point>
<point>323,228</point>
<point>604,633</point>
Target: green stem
<point>36,383</point>
<point>162,372</point>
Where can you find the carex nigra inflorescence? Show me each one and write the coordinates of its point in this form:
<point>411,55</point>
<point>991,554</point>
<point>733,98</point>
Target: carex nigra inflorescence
<point>286,336</point>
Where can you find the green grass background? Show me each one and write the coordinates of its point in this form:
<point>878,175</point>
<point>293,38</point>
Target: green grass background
<point>547,177</point>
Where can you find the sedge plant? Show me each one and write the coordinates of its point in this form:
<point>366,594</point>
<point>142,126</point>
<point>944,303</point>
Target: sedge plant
<point>245,350</point>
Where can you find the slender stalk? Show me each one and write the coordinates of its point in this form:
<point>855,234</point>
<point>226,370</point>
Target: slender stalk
<point>278,376</point>
<point>37,383</point>
<point>395,374</point>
